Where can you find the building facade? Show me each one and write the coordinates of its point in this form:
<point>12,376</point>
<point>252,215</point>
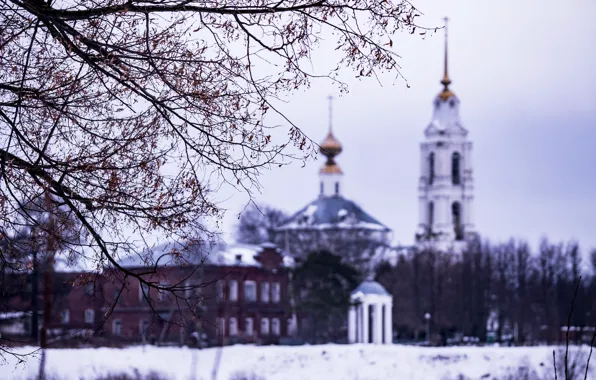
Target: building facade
<point>231,294</point>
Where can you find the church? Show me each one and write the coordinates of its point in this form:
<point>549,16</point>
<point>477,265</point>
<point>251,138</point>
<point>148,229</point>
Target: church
<point>445,219</point>
<point>445,195</point>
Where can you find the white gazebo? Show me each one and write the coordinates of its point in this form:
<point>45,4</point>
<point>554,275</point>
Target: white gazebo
<point>370,316</point>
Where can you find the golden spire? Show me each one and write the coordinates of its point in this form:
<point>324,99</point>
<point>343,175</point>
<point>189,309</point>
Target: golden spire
<point>446,93</point>
<point>330,147</point>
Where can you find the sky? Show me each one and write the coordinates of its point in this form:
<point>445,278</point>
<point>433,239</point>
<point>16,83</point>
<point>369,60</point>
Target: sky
<point>525,73</point>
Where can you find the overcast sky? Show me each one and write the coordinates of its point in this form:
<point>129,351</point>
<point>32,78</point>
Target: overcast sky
<point>525,72</point>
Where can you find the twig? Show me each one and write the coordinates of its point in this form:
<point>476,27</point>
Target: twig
<point>569,327</point>
<point>590,354</point>
<point>555,364</point>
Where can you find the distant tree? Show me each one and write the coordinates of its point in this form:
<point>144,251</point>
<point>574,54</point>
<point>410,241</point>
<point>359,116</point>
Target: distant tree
<point>257,222</point>
<point>323,284</point>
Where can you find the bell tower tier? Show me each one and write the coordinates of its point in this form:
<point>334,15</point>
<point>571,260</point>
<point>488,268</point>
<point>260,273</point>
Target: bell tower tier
<point>446,187</point>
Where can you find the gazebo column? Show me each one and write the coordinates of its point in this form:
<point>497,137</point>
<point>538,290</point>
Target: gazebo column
<point>378,323</point>
<point>388,323</point>
<point>365,336</point>
<point>352,325</point>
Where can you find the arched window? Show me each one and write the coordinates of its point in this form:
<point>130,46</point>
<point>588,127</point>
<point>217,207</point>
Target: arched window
<point>455,168</point>
<point>457,227</point>
<point>431,214</point>
<point>336,188</point>
<point>431,168</point>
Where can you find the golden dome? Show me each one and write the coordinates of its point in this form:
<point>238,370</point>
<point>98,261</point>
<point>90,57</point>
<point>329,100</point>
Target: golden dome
<point>330,147</point>
<point>446,94</point>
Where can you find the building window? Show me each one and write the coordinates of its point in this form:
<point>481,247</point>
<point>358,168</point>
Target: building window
<point>233,326</point>
<point>336,188</point>
<point>143,328</point>
<point>90,288</point>
<point>233,290</point>
<point>117,327</point>
<point>264,326</point>
<point>248,327</point>
<point>265,292</point>
<point>275,292</point>
<point>89,316</point>
<point>221,326</point>
<point>250,291</point>
<point>456,212</point>
<point>117,296</point>
<point>322,188</point>
<point>219,285</point>
<point>65,317</point>
<point>291,328</point>
<point>431,168</point>
<point>275,326</point>
<point>143,291</point>
<point>431,214</point>
<point>455,168</point>
<point>161,294</point>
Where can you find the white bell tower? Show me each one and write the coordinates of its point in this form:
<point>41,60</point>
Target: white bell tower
<point>446,187</point>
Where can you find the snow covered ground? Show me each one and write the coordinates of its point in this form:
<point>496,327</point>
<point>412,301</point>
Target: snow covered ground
<point>328,362</point>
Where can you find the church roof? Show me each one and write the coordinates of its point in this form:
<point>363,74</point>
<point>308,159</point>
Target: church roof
<point>371,287</point>
<point>331,213</point>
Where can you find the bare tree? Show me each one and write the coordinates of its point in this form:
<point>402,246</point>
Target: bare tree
<point>257,222</point>
<point>131,114</point>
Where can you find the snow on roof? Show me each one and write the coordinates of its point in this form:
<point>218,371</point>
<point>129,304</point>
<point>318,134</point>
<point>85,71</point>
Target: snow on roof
<point>332,213</point>
<point>12,315</point>
<point>371,287</point>
<point>177,254</point>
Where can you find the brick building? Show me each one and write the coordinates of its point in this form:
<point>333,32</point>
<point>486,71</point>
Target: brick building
<point>226,294</point>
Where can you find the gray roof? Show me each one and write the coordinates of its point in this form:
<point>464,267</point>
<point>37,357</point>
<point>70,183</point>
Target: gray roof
<point>332,212</point>
<point>371,287</point>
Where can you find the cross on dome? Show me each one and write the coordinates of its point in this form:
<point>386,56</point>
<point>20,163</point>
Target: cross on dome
<point>446,93</point>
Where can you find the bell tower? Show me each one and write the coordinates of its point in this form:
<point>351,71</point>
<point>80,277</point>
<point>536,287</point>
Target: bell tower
<point>446,187</point>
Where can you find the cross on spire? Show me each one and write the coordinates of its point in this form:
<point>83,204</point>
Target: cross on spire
<point>446,81</point>
<point>330,98</point>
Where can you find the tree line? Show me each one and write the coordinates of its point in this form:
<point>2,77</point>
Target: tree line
<point>506,289</point>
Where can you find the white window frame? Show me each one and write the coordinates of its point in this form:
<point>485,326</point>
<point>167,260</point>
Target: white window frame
<point>275,292</point>
<point>117,332</point>
<point>249,326</point>
<point>254,286</point>
<point>275,327</point>
<point>265,295</point>
<point>65,317</point>
<point>146,294</point>
<point>264,326</point>
<point>233,284</point>
<point>233,326</point>
<point>89,316</point>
